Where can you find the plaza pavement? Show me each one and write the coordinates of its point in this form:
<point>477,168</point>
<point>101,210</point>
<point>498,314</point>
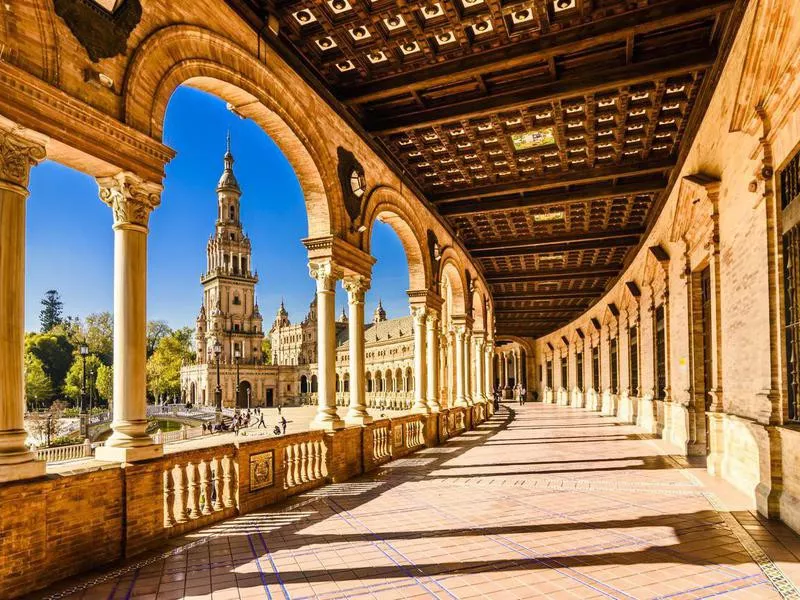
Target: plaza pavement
<point>538,502</point>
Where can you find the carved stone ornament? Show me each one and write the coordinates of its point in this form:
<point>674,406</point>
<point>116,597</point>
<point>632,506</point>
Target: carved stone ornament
<point>353,182</point>
<point>102,33</point>
<point>325,275</point>
<point>17,156</point>
<point>356,287</point>
<point>131,198</point>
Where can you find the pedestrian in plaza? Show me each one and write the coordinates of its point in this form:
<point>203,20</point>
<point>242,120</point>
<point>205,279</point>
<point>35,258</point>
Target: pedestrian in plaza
<point>261,422</point>
<point>523,393</point>
<point>280,406</point>
<point>283,425</point>
<point>276,430</point>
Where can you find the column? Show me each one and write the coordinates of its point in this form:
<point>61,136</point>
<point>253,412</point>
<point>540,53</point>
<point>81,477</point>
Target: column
<point>505,383</point>
<point>17,156</point>
<point>432,396</point>
<point>132,200</point>
<point>419,314</point>
<point>356,288</point>
<point>468,367</point>
<point>452,372</point>
<point>326,275</point>
<point>461,399</point>
<point>488,353</point>
<point>479,374</point>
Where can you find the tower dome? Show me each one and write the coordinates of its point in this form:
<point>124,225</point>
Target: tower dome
<point>227,182</point>
<point>379,315</point>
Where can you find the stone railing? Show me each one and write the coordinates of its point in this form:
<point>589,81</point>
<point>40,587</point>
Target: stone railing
<point>192,486</point>
<point>179,435</point>
<point>381,442</point>
<point>63,453</point>
<point>200,486</point>
<point>304,462</point>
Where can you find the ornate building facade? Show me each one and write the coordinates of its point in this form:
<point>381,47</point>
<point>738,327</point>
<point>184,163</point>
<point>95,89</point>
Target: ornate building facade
<point>229,329</point>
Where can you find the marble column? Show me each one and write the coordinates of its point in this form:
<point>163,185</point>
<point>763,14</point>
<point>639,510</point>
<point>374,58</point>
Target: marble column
<point>356,288</point>
<point>488,354</point>
<point>506,383</point>
<point>461,399</point>
<point>326,275</point>
<point>468,385</point>
<point>432,395</point>
<point>17,156</point>
<point>452,373</point>
<point>132,200</point>
<point>479,373</point>
<point>420,314</point>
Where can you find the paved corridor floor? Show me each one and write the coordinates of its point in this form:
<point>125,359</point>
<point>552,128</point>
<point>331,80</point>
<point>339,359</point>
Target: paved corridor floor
<point>539,502</point>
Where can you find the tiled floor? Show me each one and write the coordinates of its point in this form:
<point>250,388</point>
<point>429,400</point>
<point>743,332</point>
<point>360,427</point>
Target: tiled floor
<point>539,502</point>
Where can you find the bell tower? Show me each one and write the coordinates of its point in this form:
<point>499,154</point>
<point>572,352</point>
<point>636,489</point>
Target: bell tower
<point>231,311</point>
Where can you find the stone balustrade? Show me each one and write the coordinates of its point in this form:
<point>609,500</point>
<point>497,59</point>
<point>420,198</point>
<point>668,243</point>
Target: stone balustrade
<point>121,512</point>
<point>63,453</point>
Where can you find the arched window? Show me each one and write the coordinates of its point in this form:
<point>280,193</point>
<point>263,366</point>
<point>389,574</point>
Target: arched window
<point>313,384</point>
<point>390,387</point>
<point>347,382</point>
<point>303,384</point>
<point>369,382</point>
<point>232,213</point>
<point>378,382</point>
<point>337,383</point>
<point>409,380</point>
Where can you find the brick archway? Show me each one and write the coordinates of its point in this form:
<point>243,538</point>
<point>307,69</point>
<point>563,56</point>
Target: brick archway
<point>184,54</point>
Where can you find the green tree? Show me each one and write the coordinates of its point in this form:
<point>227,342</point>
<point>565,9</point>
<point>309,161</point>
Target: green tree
<point>38,386</point>
<point>164,366</point>
<point>55,351</point>
<point>99,332</point>
<point>185,335</point>
<point>74,378</point>
<point>266,350</point>
<point>52,309</point>
<point>156,330</point>
<point>105,382</point>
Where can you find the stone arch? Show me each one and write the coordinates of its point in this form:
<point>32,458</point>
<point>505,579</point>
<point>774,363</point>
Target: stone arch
<point>478,311</point>
<point>389,206</point>
<point>191,55</point>
<point>453,274</point>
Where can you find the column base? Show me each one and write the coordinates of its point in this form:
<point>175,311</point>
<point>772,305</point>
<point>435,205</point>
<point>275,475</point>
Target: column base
<point>358,420</point>
<point>434,408</point>
<point>421,410</point>
<point>331,425</point>
<point>22,470</point>
<point>129,454</point>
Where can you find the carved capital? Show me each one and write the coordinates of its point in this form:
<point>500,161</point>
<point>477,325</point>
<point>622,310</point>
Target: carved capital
<point>356,287</point>
<point>17,156</point>
<point>432,320</point>
<point>131,198</point>
<point>325,275</point>
<point>419,314</point>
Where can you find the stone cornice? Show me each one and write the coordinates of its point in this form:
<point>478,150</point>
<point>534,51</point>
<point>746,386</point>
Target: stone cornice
<point>72,124</point>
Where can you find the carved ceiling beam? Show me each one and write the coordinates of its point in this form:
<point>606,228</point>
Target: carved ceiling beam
<point>615,29</point>
<point>533,296</point>
<point>582,241</point>
<point>533,276</point>
<point>530,199</point>
<point>577,85</point>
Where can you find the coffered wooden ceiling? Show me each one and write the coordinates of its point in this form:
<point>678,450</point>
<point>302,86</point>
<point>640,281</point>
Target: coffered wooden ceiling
<point>545,131</point>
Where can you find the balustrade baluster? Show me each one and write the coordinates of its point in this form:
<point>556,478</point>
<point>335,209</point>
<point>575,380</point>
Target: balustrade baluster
<point>288,476</point>
<point>320,446</point>
<point>312,460</point>
<point>216,474</point>
<point>205,487</point>
<point>227,482</point>
<point>304,462</point>
<point>169,499</point>
<point>323,459</point>
<point>296,464</point>
<point>179,477</point>
<point>192,501</point>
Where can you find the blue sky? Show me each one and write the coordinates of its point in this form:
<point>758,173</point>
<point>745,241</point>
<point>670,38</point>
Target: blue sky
<point>70,243</point>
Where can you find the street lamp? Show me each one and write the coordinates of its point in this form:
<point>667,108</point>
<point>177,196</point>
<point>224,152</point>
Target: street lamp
<point>218,390</point>
<point>84,350</point>
<point>237,354</point>
<point>248,399</point>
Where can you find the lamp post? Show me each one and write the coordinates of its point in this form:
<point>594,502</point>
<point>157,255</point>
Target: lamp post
<point>218,389</point>
<point>237,354</point>
<point>92,380</point>
<point>248,399</point>
<point>84,350</point>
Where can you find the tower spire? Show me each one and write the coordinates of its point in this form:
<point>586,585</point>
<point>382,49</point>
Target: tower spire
<point>228,180</point>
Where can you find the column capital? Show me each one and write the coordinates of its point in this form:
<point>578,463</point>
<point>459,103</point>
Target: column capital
<point>326,274</point>
<point>356,286</point>
<point>131,198</point>
<point>419,313</point>
<point>432,319</point>
<point>17,155</point>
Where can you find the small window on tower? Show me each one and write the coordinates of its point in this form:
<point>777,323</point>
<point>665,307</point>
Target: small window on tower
<point>236,300</point>
<point>236,327</point>
<point>232,213</point>
<point>233,237</point>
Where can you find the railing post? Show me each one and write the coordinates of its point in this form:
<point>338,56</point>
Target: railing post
<point>179,478</point>
<point>169,499</point>
<point>87,447</point>
<point>205,487</point>
<point>193,503</point>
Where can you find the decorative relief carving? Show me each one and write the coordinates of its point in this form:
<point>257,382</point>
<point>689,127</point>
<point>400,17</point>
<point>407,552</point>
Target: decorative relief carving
<point>353,182</point>
<point>102,33</point>
<point>131,198</point>
<point>326,274</point>
<point>356,287</point>
<point>17,156</point>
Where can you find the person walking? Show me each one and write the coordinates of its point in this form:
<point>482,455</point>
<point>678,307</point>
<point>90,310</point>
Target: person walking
<point>523,393</point>
<point>280,406</point>
<point>283,425</point>
<point>261,422</point>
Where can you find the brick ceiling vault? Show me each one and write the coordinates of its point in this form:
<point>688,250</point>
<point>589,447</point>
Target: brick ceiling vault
<point>547,132</point>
